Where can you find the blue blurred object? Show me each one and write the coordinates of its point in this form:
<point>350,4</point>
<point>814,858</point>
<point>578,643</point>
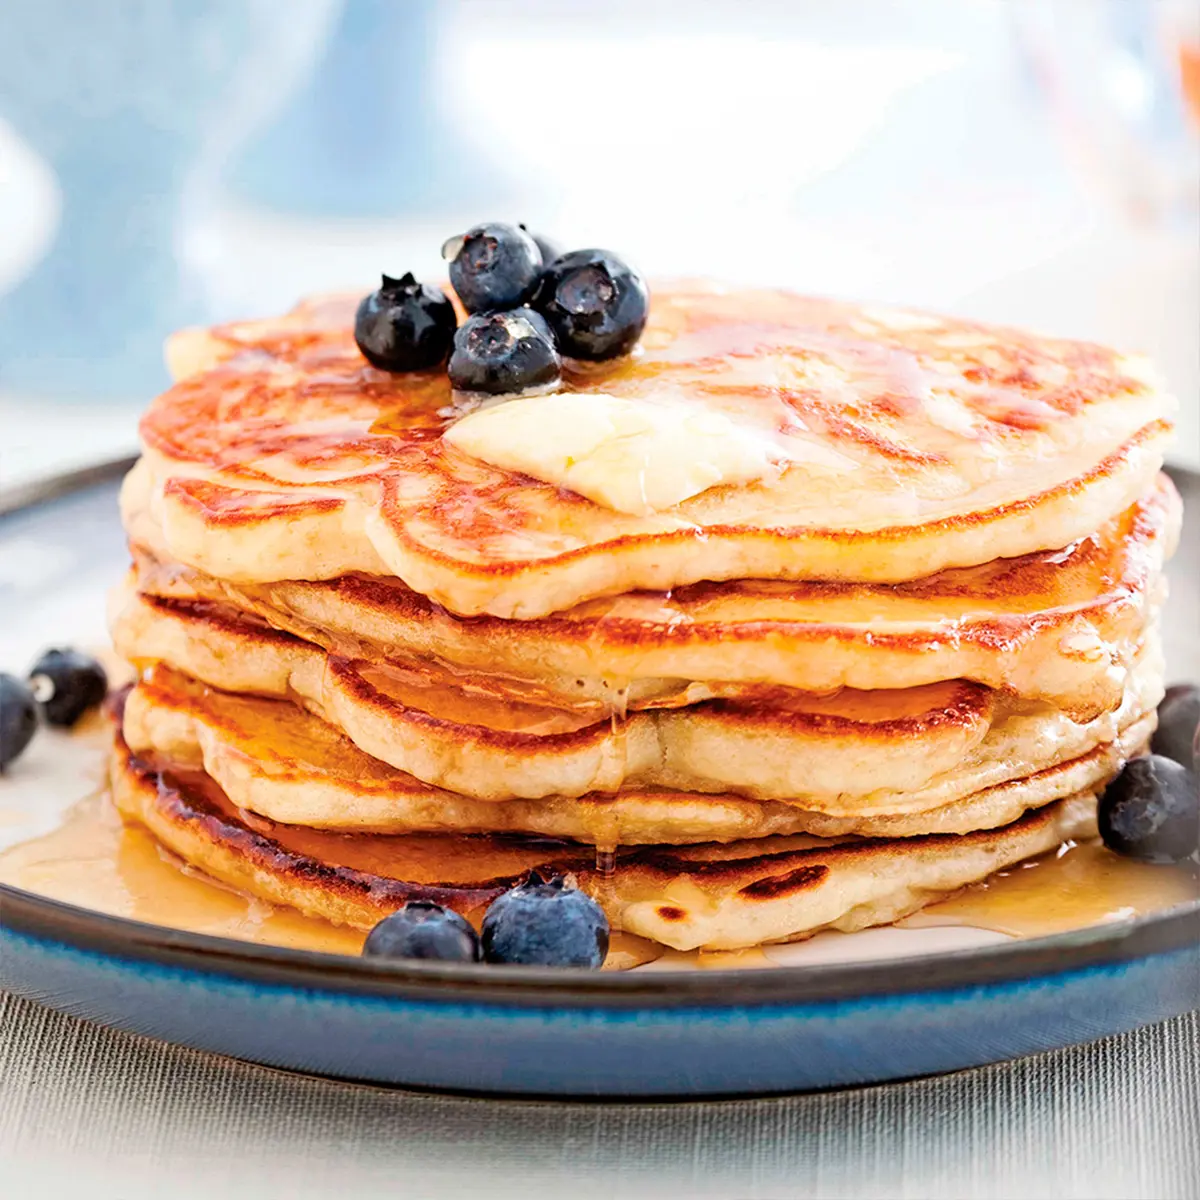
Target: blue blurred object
<point>121,99</point>
<point>1111,80</point>
<point>367,137</point>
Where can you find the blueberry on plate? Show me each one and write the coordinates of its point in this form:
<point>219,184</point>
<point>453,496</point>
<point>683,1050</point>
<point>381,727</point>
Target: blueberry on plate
<point>493,266</point>
<point>545,923</point>
<point>66,683</point>
<point>1151,811</point>
<point>504,352</point>
<point>405,325</point>
<point>1178,725</point>
<point>595,303</point>
<point>18,719</point>
<point>550,249</point>
<point>422,929</point>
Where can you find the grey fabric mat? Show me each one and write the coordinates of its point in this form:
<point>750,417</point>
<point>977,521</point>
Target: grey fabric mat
<point>87,1111</point>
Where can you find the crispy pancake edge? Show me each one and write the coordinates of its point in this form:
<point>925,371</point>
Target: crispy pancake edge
<point>677,898</point>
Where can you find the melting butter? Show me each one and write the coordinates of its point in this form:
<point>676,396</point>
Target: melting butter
<point>632,456</point>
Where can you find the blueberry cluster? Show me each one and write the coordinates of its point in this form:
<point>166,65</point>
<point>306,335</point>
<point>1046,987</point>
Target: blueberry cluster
<point>1151,811</point>
<point>528,306</point>
<point>62,684</point>
<point>540,922</point>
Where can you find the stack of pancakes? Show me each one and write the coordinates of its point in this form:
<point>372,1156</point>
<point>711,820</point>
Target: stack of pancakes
<point>374,667</point>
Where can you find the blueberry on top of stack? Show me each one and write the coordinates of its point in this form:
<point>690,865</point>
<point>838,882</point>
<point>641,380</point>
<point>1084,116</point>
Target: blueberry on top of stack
<point>528,307</point>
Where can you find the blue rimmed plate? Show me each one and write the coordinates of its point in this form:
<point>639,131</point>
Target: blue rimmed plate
<point>651,1033</point>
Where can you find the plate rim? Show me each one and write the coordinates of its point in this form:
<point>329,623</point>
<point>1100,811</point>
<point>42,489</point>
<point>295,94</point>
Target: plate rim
<point>43,490</point>
<point>1020,961</point>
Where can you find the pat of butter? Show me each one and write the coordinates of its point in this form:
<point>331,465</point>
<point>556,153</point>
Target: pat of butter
<point>631,456</point>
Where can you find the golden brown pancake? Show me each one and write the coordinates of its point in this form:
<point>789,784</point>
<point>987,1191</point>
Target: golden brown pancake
<point>272,758</point>
<point>712,896</point>
<point>1057,626</point>
<point>907,444</point>
<point>906,750</point>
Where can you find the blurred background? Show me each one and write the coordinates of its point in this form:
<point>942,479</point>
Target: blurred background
<point>171,161</point>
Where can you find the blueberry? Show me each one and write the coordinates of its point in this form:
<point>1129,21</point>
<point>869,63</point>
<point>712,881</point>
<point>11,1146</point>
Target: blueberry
<point>595,303</point>
<point>66,683</point>
<point>493,266</point>
<point>550,249</point>
<point>1151,811</point>
<point>405,325</point>
<point>504,352</point>
<point>1178,724</point>
<point>545,923</point>
<point>18,719</point>
<point>422,929</point>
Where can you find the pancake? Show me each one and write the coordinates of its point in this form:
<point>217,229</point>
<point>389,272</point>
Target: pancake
<point>906,750</point>
<point>712,896</point>
<point>272,758</point>
<point>1058,626</point>
<point>900,445</point>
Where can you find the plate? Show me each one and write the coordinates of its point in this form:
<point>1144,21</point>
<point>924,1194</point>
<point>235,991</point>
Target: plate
<point>889,1009</point>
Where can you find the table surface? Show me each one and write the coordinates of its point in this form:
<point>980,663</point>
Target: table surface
<point>134,1117</point>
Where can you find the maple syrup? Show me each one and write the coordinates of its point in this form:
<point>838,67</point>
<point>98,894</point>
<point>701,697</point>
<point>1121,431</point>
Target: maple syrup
<point>1076,887</point>
<point>92,859</point>
<point>95,860</point>
<point>752,958</point>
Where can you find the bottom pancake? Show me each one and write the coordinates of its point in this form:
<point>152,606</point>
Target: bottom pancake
<point>709,896</point>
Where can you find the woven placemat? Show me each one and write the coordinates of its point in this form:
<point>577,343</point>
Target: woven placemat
<point>88,1111</point>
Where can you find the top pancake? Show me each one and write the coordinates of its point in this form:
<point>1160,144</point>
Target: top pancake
<point>911,444</point>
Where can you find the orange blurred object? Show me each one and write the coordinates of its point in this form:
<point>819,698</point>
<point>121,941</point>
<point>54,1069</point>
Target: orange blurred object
<point>1189,76</point>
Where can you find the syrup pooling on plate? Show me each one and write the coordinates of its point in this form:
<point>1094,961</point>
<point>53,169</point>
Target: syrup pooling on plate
<point>98,862</point>
<point>1077,887</point>
<point>93,860</point>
